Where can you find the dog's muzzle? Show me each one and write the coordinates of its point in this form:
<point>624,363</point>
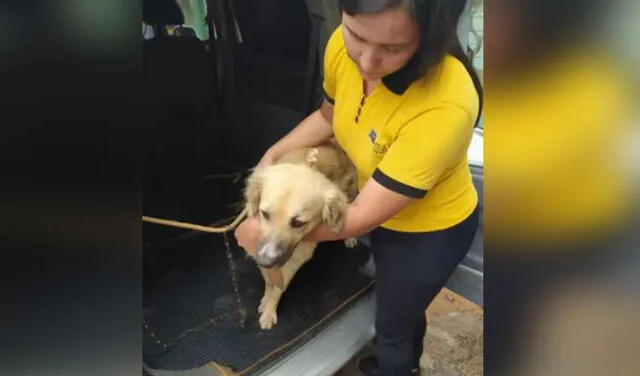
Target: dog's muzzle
<point>271,252</point>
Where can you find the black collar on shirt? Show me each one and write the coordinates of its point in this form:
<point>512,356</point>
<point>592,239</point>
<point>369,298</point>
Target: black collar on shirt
<point>399,81</point>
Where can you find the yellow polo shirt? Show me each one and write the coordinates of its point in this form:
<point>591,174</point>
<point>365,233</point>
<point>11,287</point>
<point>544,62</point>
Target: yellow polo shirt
<point>412,140</point>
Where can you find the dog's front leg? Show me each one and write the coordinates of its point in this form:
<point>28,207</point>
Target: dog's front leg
<point>269,307</point>
<point>269,302</point>
<point>267,292</point>
<point>268,286</point>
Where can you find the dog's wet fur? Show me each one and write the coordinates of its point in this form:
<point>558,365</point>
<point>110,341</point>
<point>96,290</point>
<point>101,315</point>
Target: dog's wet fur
<point>291,197</point>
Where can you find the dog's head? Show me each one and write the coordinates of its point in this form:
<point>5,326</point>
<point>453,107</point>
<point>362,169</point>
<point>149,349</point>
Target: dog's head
<point>291,200</point>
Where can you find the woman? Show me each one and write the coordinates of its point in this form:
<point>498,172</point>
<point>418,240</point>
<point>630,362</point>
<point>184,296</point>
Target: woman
<point>403,108</point>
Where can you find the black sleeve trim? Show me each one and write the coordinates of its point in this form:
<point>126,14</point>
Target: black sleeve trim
<point>397,186</point>
<point>328,98</point>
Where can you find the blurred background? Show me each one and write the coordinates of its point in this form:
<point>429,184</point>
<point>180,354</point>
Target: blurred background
<point>561,181</point>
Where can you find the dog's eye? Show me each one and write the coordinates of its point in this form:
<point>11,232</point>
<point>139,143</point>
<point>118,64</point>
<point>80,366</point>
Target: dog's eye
<point>264,214</point>
<point>296,223</point>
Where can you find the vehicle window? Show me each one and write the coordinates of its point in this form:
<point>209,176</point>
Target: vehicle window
<point>470,33</point>
<point>476,36</point>
<point>471,37</point>
<point>194,12</point>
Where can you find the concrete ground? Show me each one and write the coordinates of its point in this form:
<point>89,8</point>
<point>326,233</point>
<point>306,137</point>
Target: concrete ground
<point>453,345</point>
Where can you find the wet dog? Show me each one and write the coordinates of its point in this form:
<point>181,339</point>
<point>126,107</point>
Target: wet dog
<point>291,197</point>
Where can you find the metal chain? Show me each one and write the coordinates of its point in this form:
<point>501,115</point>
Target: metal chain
<point>242,311</point>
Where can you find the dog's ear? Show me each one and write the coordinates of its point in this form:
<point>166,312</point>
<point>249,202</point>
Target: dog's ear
<point>334,212</point>
<point>253,191</point>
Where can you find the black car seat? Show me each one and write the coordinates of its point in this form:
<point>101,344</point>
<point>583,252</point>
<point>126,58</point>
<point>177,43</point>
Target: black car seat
<point>273,60</point>
<point>181,116</point>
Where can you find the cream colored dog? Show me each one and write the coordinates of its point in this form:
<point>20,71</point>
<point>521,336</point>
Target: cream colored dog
<point>301,190</point>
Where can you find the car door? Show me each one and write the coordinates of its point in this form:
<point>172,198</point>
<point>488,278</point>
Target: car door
<point>467,280</point>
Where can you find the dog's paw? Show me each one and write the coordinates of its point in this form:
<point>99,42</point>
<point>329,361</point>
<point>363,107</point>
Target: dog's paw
<point>351,242</point>
<point>268,319</point>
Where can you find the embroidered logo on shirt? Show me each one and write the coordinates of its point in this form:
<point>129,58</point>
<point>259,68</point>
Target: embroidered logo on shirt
<point>377,147</point>
<point>380,149</point>
<point>372,136</point>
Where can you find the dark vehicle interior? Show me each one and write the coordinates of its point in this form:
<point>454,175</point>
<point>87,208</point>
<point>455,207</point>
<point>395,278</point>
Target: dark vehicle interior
<point>214,107</point>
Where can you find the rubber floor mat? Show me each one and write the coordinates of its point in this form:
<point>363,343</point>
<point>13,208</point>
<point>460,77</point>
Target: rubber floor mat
<point>191,314</point>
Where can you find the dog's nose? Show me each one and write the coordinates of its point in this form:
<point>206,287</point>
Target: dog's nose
<point>269,253</point>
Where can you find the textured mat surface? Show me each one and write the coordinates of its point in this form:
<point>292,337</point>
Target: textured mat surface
<point>191,316</point>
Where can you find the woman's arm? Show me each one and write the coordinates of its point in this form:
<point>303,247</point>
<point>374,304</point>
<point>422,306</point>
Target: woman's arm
<point>374,205</point>
<point>409,169</point>
<point>314,130</point>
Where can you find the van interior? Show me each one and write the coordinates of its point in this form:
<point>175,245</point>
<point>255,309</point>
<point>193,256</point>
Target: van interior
<point>214,106</point>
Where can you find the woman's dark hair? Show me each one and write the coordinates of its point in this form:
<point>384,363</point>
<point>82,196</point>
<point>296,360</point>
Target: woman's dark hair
<point>438,25</point>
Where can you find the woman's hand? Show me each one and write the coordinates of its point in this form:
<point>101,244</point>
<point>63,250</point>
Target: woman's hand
<point>248,235</point>
<point>267,159</point>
